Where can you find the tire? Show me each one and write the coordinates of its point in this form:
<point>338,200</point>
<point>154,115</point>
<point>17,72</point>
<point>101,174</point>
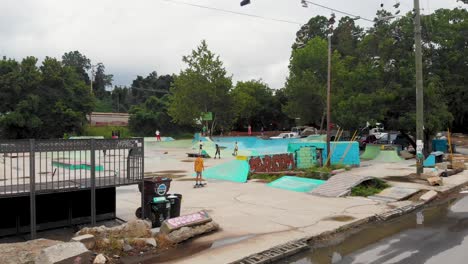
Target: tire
<point>138,213</point>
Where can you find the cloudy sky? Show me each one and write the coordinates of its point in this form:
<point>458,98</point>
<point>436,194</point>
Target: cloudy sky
<point>136,37</point>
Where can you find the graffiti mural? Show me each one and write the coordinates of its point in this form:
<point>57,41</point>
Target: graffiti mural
<point>272,163</point>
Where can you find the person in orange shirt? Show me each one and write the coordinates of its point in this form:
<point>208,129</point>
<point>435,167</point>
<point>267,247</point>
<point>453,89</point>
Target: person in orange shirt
<point>199,168</point>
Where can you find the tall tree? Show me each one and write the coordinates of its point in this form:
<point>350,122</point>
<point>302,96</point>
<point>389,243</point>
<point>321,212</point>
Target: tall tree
<point>202,87</point>
<point>48,101</point>
<point>79,63</point>
<point>101,81</point>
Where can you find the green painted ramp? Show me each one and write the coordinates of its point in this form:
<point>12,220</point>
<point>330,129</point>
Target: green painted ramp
<point>234,170</point>
<point>388,156</point>
<point>371,152</point>
<point>296,184</point>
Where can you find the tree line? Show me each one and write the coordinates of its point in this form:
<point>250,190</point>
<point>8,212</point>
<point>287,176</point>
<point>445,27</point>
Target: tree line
<point>372,80</point>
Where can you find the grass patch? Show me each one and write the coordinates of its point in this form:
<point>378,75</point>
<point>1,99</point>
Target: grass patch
<point>106,131</point>
<point>369,188</point>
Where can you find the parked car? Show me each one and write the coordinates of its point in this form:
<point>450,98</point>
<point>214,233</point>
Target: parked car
<point>364,140</point>
<point>286,135</point>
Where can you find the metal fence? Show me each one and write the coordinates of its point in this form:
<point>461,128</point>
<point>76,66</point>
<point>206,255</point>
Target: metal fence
<point>34,167</point>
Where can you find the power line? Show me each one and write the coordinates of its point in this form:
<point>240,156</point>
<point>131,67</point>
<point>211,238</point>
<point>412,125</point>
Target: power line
<point>233,12</point>
<point>339,11</point>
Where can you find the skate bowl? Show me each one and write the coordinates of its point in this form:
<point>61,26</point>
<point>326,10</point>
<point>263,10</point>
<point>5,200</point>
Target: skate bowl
<point>234,170</point>
<point>388,156</point>
<point>296,184</point>
<point>371,152</point>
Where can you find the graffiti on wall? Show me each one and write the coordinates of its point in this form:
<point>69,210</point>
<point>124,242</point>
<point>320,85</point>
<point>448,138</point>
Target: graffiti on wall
<point>272,163</point>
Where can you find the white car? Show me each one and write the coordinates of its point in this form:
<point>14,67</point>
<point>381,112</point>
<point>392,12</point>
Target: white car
<point>286,135</point>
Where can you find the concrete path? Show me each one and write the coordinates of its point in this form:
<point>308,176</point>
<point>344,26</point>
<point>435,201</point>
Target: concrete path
<point>253,216</point>
<point>339,185</point>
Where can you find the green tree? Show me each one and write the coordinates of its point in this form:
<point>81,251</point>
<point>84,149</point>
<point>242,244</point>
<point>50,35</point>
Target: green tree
<point>254,104</point>
<point>101,81</point>
<point>202,87</point>
<point>79,63</point>
<point>48,101</point>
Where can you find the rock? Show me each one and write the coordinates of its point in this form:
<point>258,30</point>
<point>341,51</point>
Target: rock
<point>100,259</point>
<point>435,180</point>
<point>134,228</point>
<point>154,231</point>
<point>60,252</point>
<point>137,228</point>
<point>336,257</point>
<point>194,219</point>
<point>428,196</point>
<point>88,240</point>
<point>185,233</point>
<point>151,242</point>
<point>127,247</point>
<point>24,252</point>
<point>116,256</point>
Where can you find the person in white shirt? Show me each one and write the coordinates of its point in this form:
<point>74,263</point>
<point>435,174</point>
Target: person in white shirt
<point>158,135</point>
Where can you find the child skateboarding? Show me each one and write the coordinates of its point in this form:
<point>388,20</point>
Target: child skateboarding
<point>236,148</point>
<point>199,168</point>
<point>218,152</point>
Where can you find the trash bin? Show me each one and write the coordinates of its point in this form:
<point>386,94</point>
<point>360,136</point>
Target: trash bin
<point>176,202</point>
<point>160,211</point>
<point>154,187</point>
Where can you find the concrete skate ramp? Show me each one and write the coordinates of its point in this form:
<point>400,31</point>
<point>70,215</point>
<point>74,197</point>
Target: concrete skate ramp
<point>234,170</point>
<point>296,184</point>
<point>371,152</point>
<point>388,156</point>
<point>339,185</point>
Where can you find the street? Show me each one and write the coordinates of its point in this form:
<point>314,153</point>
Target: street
<point>439,235</point>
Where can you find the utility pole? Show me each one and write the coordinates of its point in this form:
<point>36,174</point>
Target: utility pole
<point>331,21</point>
<point>92,77</point>
<point>419,90</point>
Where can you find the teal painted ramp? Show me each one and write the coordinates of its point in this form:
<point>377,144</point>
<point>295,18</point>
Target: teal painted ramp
<point>296,184</point>
<point>234,170</point>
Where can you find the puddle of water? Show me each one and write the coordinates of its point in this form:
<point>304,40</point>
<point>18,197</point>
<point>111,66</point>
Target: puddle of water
<point>339,218</point>
<point>182,250</point>
<point>344,244</point>
<point>228,241</point>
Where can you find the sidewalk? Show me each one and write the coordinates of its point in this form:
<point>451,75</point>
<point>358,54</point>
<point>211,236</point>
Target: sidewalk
<point>254,217</point>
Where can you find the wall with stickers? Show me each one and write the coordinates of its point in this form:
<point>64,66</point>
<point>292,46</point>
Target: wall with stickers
<point>272,163</point>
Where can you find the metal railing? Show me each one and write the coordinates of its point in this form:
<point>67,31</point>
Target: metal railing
<point>33,167</point>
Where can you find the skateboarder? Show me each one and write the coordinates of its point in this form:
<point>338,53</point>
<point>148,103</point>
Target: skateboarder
<point>236,148</point>
<point>218,152</point>
<point>199,168</point>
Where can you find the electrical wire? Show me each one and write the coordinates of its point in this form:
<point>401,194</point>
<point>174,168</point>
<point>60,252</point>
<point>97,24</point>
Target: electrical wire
<point>233,12</point>
<point>339,11</point>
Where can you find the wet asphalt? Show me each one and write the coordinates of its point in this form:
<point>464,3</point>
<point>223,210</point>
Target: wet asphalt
<point>434,236</point>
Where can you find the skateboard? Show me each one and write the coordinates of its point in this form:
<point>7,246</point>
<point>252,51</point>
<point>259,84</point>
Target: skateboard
<point>199,185</point>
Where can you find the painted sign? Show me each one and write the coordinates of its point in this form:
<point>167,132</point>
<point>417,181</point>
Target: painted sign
<point>185,220</point>
<point>272,163</point>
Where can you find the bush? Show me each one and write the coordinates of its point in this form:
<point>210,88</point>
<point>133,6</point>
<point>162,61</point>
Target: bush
<point>369,188</point>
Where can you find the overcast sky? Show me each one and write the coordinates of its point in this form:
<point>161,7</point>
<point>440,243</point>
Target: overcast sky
<point>136,37</point>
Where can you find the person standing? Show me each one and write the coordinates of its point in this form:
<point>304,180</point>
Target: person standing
<point>249,130</point>
<point>158,135</point>
<point>204,130</point>
<point>218,152</point>
<point>200,147</point>
<point>236,148</point>
<point>199,168</point>
<point>262,130</point>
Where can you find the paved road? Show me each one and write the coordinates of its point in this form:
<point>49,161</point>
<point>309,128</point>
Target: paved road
<point>443,242</point>
<point>440,237</point>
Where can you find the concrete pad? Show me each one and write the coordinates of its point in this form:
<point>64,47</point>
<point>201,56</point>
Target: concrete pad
<point>428,196</point>
<point>397,193</point>
<point>60,252</point>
